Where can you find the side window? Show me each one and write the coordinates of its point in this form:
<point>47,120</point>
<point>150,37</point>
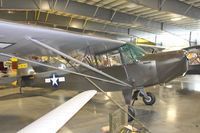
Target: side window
<point>115,59</point>
<point>102,60</point>
<point>109,59</point>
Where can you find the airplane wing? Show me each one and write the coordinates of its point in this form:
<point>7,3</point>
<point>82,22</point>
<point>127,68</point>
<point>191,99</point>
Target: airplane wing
<point>54,120</point>
<point>13,40</point>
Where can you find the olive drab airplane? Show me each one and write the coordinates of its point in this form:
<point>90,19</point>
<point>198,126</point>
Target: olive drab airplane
<point>124,66</point>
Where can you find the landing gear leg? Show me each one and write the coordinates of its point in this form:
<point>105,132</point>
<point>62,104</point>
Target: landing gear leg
<point>135,96</point>
<point>128,97</point>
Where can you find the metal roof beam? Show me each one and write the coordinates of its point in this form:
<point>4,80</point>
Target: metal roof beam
<point>86,10</point>
<point>101,14</point>
<point>106,14</point>
<point>75,24</point>
<point>174,6</point>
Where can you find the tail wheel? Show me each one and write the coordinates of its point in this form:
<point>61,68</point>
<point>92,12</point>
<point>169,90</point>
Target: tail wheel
<point>132,112</point>
<point>151,99</point>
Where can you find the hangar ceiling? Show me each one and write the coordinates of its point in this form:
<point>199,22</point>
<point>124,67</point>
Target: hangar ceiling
<point>116,19</point>
<point>195,3</point>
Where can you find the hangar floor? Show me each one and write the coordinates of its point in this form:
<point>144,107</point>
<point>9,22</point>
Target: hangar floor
<point>176,110</point>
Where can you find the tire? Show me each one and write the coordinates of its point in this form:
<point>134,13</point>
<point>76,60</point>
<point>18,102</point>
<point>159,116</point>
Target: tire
<point>132,112</point>
<point>152,99</point>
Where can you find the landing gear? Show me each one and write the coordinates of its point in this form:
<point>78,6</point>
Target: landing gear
<point>131,111</point>
<point>150,100</point>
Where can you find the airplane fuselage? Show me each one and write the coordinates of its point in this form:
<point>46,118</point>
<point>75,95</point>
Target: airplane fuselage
<point>152,69</point>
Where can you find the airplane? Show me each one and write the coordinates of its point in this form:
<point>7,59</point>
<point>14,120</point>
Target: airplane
<point>107,65</point>
<point>194,59</point>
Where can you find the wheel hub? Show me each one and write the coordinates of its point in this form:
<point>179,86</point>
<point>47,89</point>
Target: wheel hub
<point>148,99</point>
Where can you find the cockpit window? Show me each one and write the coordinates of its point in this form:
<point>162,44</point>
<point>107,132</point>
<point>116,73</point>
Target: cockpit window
<point>131,53</point>
<point>109,59</point>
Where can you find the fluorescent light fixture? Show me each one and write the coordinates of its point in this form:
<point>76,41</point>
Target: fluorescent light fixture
<point>5,45</point>
<point>176,19</point>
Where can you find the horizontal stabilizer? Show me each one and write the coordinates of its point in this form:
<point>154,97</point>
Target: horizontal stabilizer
<point>54,120</point>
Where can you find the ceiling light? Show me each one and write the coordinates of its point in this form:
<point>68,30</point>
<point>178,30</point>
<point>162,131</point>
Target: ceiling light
<point>176,19</point>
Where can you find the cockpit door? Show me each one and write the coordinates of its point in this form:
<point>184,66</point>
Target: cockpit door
<point>140,73</point>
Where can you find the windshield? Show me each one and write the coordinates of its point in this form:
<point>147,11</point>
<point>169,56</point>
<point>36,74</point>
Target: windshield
<point>131,53</point>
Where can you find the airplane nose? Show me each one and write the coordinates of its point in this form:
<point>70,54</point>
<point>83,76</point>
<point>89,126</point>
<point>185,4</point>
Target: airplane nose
<point>171,65</point>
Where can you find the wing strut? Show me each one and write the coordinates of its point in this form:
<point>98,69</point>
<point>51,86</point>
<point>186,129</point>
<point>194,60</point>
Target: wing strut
<point>75,60</point>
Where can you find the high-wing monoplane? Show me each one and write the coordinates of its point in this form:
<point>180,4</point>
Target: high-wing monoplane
<point>105,65</point>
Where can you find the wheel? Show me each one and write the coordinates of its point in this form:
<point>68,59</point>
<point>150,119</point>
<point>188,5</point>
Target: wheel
<point>132,112</point>
<point>151,99</point>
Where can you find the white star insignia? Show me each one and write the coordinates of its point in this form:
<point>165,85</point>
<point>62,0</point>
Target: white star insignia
<point>54,80</point>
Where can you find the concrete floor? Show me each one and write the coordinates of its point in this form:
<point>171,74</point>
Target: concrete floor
<point>176,110</point>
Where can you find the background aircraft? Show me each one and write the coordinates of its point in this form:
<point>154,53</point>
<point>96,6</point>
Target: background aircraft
<point>108,64</point>
<point>194,59</point>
